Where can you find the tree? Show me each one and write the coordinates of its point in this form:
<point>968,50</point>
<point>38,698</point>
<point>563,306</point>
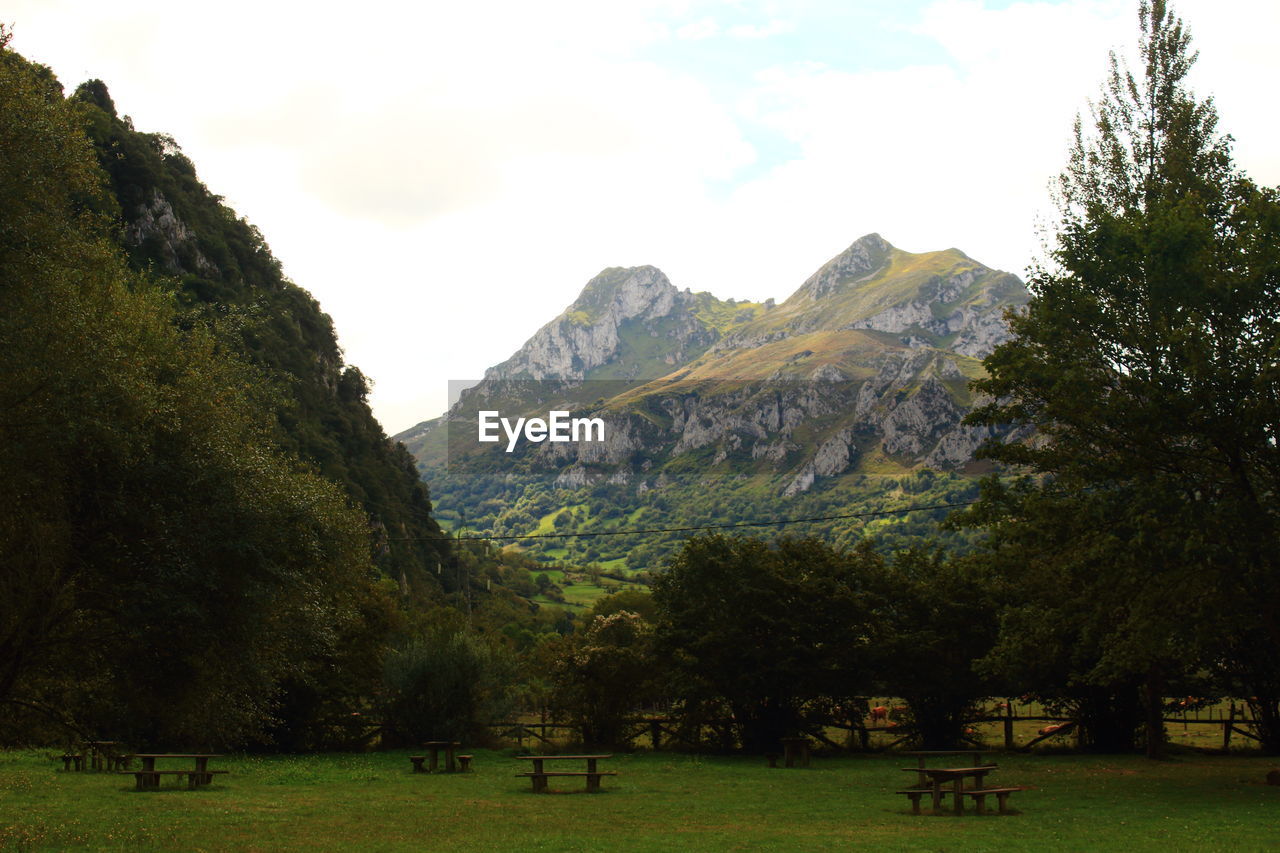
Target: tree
<point>1147,362</point>
<point>940,619</point>
<point>602,674</point>
<point>768,628</point>
<point>449,683</point>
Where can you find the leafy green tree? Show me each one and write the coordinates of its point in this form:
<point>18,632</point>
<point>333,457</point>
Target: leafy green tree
<point>769,628</point>
<point>1147,363</point>
<point>449,683</point>
<point>602,674</point>
<point>940,619</point>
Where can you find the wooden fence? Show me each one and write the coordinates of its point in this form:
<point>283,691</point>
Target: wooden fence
<point>668,732</point>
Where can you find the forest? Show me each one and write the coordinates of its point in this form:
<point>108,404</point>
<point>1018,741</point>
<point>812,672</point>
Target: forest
<point>206,539</point>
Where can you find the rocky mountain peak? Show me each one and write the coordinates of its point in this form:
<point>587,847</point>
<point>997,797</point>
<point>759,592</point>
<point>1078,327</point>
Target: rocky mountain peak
<point>867,255</point>
<point>621,293</point>
<point>615,310</point>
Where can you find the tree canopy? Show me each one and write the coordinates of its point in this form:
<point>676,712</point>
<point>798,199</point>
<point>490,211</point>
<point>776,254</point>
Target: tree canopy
<point>1148,362</point>
<point>166,566</point>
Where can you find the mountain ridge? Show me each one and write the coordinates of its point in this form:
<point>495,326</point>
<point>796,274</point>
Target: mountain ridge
<point>857,383</point>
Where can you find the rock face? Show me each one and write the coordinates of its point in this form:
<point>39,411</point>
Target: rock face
<point>976,327</point>
<point>873,352</point>
<point>157,221</point>
<point>635,301</point>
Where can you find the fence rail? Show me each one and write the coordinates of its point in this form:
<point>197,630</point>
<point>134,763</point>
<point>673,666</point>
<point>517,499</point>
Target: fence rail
<point>665,731</point>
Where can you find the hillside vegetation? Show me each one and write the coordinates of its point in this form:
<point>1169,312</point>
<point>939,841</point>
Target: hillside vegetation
<point>847,398</point>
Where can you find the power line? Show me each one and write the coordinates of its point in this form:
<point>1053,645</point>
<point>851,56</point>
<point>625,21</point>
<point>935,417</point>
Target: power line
<point>775,522</point>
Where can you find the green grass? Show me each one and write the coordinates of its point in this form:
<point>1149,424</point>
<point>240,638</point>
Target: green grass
<point>547,524</point>
<point>658,802</point>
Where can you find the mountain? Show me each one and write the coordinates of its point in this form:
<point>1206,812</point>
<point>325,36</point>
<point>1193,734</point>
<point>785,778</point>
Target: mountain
<point>849,395</point>
<point>222,270</point>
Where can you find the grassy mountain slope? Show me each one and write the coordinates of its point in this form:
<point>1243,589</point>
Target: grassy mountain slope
<point>847,396</point>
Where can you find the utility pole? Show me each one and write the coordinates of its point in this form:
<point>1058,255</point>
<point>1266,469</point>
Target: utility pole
<point>464,573</point>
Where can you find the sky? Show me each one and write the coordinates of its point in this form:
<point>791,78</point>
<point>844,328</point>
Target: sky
<point>445,177</point>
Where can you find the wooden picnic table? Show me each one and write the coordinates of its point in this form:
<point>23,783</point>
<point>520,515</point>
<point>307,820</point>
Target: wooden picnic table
<point>939,776</point>
<point>101,754</point>
<point>432,757</point>
<point>923,755</point>
<point>539,775</point>
<point>149,777</point>
<point>795,750</point>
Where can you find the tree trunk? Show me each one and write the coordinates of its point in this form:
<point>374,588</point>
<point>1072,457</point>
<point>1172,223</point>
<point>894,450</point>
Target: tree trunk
<point>1153,694</point>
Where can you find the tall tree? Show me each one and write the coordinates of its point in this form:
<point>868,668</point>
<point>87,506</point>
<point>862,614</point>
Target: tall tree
<point>1148,361</point>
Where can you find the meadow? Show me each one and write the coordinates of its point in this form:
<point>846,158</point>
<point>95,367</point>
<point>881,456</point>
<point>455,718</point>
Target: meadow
<point>659,801</point>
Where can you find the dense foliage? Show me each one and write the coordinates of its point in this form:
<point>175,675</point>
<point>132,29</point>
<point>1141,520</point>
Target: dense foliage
<point>516,506</point>
<point>1147,360</point>
<point>166,566</point>
<point>792,634</point>
<point>222,271</point>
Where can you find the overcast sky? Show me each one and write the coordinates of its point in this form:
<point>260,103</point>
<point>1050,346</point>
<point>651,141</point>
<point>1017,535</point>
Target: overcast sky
<point>445,177</point>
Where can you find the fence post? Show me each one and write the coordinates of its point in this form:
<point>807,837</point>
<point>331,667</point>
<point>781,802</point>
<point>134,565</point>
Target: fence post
<point>1227,726</point>
<point>1008,724</point>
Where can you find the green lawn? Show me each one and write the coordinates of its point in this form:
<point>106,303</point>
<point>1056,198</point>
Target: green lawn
<point>658,802</point>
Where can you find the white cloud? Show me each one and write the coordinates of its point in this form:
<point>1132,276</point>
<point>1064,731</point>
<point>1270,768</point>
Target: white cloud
<point>775,27</point>
<point>705,28</point>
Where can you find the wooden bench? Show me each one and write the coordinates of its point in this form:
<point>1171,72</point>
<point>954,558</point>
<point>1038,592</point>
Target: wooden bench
<point>1002,795</point>
<point>593,779</point>
<point>914,795</point>
<point>464,763</point>
<point>540,775</point>
<point>69,757</point>
<point>149,780</point>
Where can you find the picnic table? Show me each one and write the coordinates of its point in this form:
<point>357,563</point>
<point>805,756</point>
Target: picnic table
<point>148,778</point>
<point>939,776</point>
<point>795,750</point>
<point>931,781</point>
<point>95,755</point>
<point>922,781</point>
<point>103,755</point>
<point>432,757</point>
<point>539,775</point>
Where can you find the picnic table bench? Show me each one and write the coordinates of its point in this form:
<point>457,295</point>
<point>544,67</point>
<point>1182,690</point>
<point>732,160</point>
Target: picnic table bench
<point>96,755</point>
<point>795,750</point>
<point>148,778</point>
<point>539,775</point>
<point>433,748</point>
<point>939,776</point>
<point>1001,795</point>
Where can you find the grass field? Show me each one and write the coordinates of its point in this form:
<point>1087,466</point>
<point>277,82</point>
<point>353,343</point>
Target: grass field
<point>658,802</point>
